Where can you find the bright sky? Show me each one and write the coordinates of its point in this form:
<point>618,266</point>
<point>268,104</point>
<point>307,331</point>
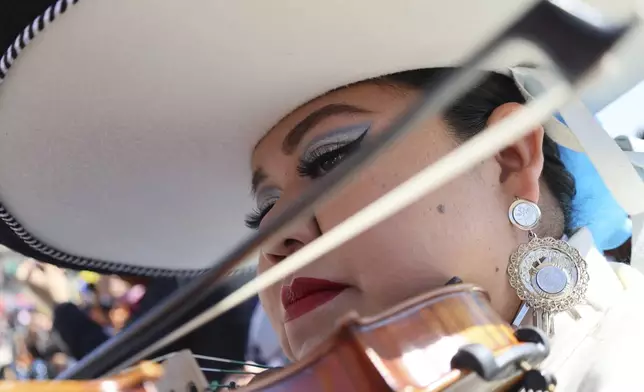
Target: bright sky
<point>625,116</point>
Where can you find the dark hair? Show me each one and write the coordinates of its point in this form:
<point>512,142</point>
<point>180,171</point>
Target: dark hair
<point>469,115</point>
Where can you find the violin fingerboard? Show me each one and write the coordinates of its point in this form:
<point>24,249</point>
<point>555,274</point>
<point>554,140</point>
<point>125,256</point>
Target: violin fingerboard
<point>181,373</point>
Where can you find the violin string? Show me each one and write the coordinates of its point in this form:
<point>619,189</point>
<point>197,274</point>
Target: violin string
<point>232,361</point>
<point>226,371</point>
<point>216,359</point>
<point>458,161</point>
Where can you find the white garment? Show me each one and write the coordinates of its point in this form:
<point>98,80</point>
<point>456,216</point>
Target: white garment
<point>600,351</point>
<point>263,343</point>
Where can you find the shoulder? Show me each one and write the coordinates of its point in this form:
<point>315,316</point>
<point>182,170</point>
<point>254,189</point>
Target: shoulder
<point>618,339</point>
<point>610,333</point>
<point>631,279</point>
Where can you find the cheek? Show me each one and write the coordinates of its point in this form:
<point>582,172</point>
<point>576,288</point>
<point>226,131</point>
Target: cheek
<point>270,297</point>
<point>459,230</point>
<point>446,212</point>
<point>394,166</point>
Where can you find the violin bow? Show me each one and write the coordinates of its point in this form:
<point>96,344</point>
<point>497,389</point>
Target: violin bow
<point>553,28</point>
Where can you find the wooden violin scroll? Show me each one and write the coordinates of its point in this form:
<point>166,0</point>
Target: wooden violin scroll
<point>448,338</point>
<point>138,379</point>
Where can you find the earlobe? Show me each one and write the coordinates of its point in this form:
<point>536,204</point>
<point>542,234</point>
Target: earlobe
<point>522,162</point>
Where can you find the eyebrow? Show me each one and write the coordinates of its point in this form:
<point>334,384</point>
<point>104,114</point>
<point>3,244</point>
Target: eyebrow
<point>295,135</point>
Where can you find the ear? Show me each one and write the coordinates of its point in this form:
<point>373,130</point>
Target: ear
<point>522,162</point>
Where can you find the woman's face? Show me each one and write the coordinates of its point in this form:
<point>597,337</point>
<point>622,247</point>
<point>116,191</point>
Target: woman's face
<point>460,230</point>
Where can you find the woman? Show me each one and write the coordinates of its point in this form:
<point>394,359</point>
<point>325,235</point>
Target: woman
<point>461,230</point>
<point>334,87</point>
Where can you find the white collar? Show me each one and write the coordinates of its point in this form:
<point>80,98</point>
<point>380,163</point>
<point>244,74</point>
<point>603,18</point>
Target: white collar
<point>572,335</point>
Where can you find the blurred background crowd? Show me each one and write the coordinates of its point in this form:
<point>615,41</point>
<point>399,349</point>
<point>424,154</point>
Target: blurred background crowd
<point>32,294</point>
<point>50,318</point>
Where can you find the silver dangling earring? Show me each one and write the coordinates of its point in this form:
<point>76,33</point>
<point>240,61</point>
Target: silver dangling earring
<point>548,275</point>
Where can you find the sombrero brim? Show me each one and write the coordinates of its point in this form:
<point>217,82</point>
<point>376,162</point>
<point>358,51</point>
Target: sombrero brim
<point>127,126</point>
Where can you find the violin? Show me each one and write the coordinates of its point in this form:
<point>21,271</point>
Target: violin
<point>447,340</point>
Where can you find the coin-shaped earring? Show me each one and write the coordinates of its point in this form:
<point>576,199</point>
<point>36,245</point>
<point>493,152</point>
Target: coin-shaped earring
<point>524,214</point>
<point>548,275</point>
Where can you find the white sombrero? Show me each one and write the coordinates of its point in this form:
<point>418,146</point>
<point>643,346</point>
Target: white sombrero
<point>126,126</point>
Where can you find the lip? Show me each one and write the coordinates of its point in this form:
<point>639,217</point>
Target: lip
<point>306,294</point>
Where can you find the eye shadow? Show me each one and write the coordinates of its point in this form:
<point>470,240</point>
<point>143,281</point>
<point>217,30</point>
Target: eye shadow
<point>340,136</point>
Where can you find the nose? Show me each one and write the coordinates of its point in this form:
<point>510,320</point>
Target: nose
<point>293,240</point>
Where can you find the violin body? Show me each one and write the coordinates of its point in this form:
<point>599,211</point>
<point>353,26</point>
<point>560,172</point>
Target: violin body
<point>417,346</point>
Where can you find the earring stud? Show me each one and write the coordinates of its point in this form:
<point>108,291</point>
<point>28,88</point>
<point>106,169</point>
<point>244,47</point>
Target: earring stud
<point>524,214</point>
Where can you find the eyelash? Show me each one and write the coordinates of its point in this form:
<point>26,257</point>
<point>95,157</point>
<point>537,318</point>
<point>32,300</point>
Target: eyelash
<point>253,219</point>
<point>310,168</point>
<point>312,165</point>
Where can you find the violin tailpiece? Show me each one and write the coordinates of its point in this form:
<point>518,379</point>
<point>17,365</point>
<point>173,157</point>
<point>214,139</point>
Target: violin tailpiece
<point>181,373</point>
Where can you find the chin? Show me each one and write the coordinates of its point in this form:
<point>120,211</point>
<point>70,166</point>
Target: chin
<point>308,346</point>
<point>307,332</point>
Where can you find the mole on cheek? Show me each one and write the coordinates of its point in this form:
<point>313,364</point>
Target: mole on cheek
<point>441,208</point>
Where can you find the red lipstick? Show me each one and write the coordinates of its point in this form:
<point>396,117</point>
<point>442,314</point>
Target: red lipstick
<point>306,294</point>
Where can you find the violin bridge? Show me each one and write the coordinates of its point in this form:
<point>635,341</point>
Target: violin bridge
<point>181,372</point>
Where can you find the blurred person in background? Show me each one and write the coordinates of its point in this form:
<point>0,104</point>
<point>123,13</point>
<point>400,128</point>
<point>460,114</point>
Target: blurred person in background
<point>97,307</point>
<point>109,304</point>
<point>27,363</point>
<point>36,352</point>
<point>6,373</point>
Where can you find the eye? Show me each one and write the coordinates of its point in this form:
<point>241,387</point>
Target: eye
<point>321,165</point>
<point>266,199</point>
<point>325,158</point>
<point>327,164</point>
<point>254,219</point>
